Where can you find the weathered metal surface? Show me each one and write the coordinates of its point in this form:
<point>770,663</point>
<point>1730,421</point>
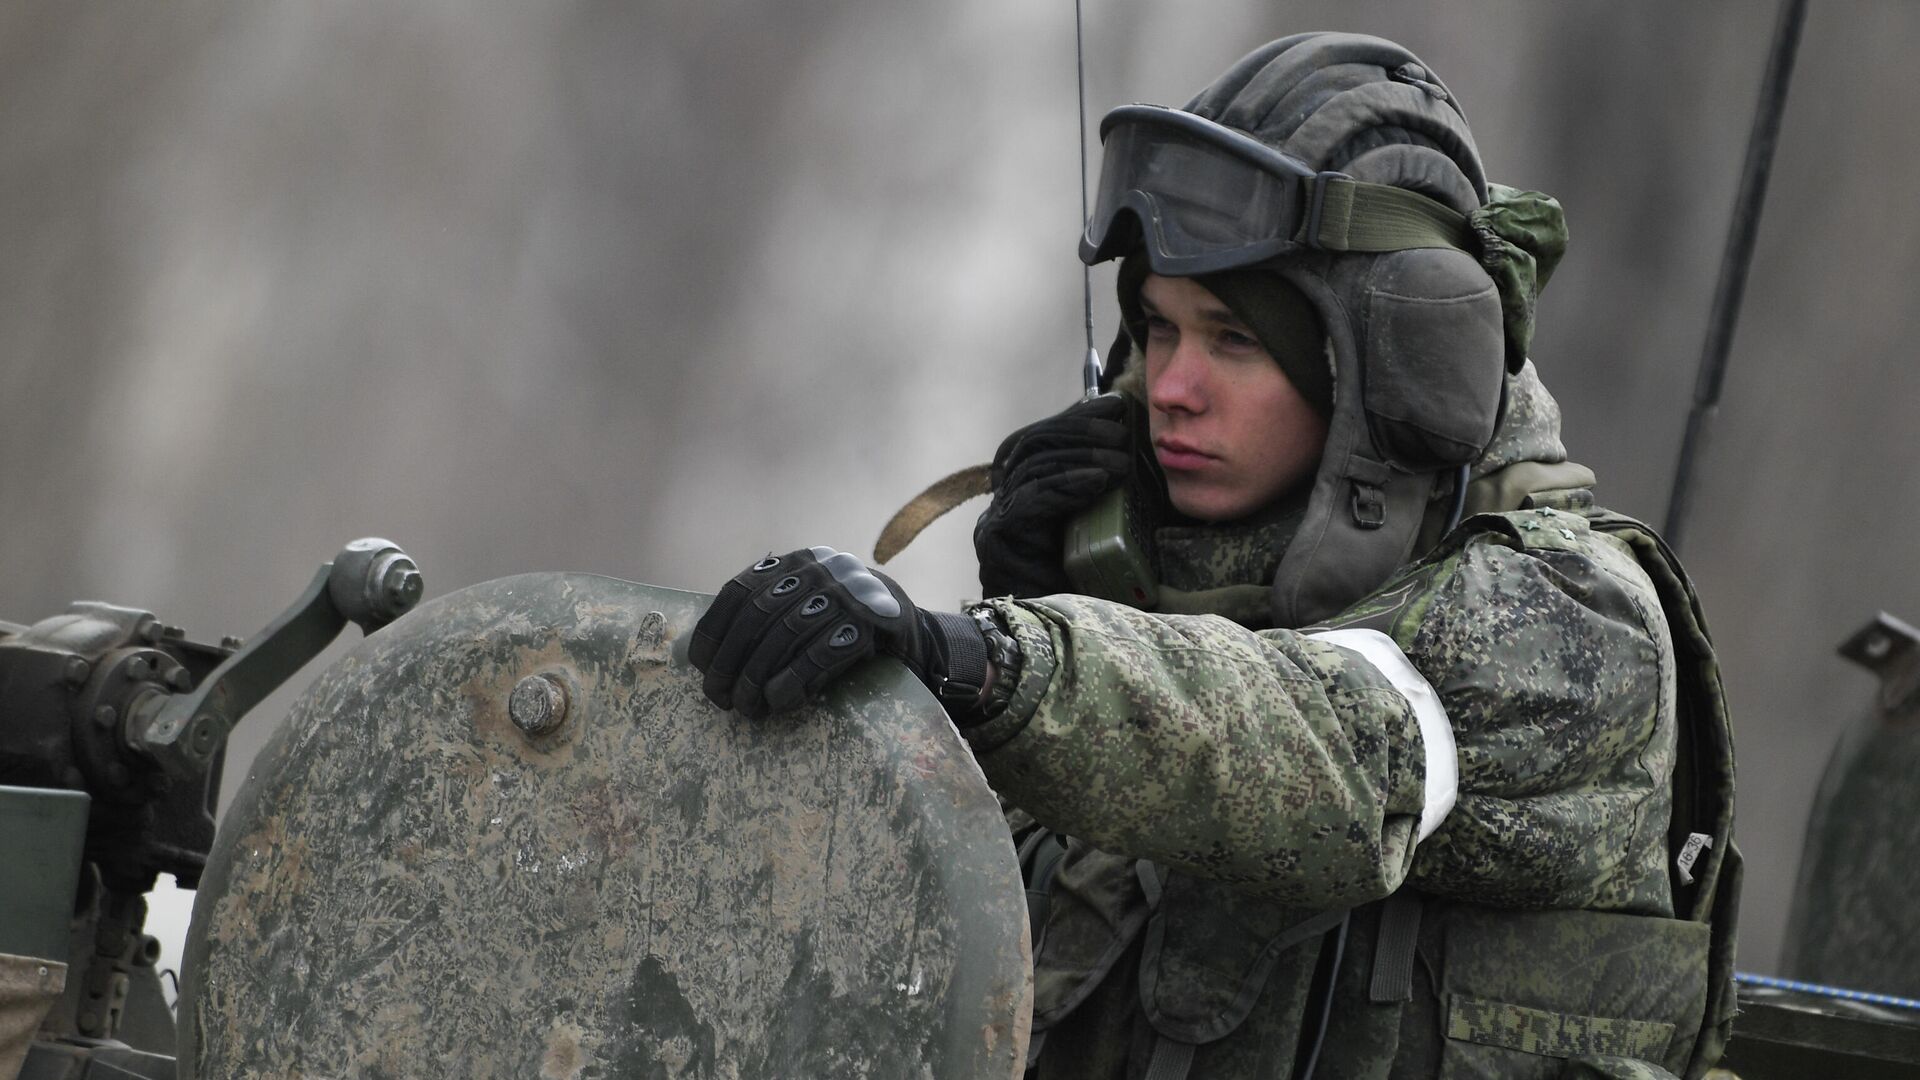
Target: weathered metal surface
<point>42,835</point>
<point>1784,1034</point>
<point>1854,921</point>
<point>410,883</point>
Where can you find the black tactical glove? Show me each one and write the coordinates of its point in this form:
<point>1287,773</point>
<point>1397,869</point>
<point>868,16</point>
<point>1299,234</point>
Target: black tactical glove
<point>1044,474</point>
<point>785,627</point>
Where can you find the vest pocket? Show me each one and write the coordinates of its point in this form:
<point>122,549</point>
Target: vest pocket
<point>1544,995</point>
<point>1097,910</point>
<point>1589,1046</point>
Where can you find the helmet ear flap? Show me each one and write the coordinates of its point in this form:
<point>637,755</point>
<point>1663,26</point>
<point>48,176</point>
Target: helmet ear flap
<point>1434,358</point>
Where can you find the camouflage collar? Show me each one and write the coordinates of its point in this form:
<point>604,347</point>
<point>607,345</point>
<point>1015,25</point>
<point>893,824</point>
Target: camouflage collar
<point>1199,557</point>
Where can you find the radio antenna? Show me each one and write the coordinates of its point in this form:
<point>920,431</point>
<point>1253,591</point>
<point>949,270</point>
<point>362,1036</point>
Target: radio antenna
<point>1732,285</point>
<point>1090,371</point>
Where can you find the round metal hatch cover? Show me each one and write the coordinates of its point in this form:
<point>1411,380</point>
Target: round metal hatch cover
<point>507,837</point>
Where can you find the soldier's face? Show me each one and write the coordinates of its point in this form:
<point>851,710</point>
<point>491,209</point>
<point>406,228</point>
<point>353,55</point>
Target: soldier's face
<point>1228,426</point>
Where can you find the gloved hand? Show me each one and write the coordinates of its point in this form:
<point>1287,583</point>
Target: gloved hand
<point>1044,474</point>
<point>787,626</point>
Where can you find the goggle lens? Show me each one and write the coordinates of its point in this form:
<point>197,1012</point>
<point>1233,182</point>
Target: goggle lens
<point>1192,197</point>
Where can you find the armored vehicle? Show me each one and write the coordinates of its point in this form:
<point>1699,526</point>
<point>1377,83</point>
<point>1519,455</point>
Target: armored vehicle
<point>506,836</point>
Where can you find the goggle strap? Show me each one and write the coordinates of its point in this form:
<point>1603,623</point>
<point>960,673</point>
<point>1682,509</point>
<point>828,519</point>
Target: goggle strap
<point>1354,215</point>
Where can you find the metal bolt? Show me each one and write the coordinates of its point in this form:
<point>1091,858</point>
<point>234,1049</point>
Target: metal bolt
<point>538,705</point>
<point>77,670</point>
<point>105,716</point>
<point>180,679</point>
<point>231,643</point>
<point>139,668</point>
<point>151,631</point>
<point>202,736</point>
<point>401,585</point>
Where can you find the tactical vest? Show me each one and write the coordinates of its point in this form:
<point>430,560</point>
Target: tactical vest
<point>1230,985</point>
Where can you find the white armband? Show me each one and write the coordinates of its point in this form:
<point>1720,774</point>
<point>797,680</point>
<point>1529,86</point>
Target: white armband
<point>1443,763</point>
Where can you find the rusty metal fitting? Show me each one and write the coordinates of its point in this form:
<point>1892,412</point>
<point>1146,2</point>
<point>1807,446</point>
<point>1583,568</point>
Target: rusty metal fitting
<point>538,704</point>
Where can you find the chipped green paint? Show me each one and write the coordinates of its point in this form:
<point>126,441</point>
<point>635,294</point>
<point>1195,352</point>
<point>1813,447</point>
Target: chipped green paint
<point>409,885</point>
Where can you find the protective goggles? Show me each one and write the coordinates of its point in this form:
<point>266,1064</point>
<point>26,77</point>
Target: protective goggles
<point>1200,197</point>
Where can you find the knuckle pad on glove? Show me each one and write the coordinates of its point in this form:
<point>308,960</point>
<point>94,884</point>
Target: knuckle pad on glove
<point>809,668</point>
<point>818,609</point>
<point>829,661</point>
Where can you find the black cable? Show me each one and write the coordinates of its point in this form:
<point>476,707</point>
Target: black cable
<point>1324,983</point>
<point>1459,507</point>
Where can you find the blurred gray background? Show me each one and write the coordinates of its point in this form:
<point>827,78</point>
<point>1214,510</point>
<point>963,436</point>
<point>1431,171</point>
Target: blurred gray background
<point>649,289</point>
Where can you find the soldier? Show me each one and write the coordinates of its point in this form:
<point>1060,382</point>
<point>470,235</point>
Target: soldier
<point>1419,766</point>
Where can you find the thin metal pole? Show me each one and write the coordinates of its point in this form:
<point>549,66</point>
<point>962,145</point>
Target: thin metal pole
<point>1090,370</point>
<point>1731,288</point>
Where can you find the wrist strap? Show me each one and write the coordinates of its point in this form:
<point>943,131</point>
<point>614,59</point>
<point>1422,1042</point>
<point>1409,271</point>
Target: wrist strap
<point>1005,652</point>
<point>963,653</point>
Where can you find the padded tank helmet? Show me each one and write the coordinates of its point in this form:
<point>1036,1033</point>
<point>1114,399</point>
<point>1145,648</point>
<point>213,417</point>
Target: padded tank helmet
<point>1343,164</point>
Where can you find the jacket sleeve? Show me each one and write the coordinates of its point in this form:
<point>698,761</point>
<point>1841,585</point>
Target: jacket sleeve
<point>1291,767</point>
<point>1269,760</point>
<point>1548,647</point>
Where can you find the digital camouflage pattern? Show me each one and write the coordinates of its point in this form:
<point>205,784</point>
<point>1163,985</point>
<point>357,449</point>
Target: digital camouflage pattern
<point>1536,1031</point>
<point>1522,235</point>
<point>1267,778</point>
<point>1194,558</point>
<point>1292,768</point>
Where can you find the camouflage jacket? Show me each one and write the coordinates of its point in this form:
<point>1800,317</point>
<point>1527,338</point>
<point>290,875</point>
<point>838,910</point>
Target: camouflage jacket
<point>1230,786</point>
<point>1289,768</point>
